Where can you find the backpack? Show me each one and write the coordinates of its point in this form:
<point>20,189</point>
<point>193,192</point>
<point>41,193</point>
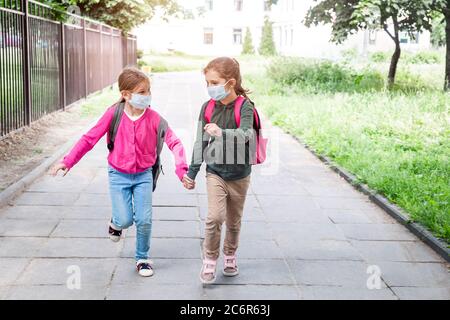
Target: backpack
<point>162,129</point>
<point>259,155</point>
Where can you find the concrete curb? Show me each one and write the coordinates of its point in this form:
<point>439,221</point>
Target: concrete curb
<point>11,192</point>
<point>439,246</point>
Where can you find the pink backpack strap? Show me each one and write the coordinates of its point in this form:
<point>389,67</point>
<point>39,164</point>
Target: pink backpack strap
<point>256,118</point>
<point>237,110</point>
<point>209,110</point>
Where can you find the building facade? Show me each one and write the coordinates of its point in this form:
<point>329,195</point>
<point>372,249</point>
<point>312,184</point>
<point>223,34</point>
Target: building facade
<point>221,29</point>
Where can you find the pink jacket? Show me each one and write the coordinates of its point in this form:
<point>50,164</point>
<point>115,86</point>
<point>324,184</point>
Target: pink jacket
<point>135,144</point>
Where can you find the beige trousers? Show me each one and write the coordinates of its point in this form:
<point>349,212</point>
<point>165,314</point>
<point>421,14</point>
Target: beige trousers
<point>226,201</point>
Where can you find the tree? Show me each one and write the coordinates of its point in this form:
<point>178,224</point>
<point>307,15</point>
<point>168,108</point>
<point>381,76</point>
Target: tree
<point>123,14</point>
<point>267,45</point>
<point>446,12</point>
<point>443,6</point>
<point>247,47</point>
<point>393,16</point>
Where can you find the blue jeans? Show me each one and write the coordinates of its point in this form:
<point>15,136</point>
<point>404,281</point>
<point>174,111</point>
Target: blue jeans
<point>131,197</point>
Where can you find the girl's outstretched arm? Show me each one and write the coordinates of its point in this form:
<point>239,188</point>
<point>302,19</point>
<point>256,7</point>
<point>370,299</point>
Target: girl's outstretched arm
<point>175,145</point>
<point>89,139</point>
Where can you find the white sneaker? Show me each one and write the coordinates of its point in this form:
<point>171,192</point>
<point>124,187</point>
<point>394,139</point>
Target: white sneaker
<point>144,268</point>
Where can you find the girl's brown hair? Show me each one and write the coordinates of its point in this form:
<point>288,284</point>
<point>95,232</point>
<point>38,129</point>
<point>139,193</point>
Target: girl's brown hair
<point>130,78</point>
<point>228,68</point>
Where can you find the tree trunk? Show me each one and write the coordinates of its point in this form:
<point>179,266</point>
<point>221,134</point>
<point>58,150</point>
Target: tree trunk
<point>447,58</point>
<point>393,67</point>
<point>396,56</point>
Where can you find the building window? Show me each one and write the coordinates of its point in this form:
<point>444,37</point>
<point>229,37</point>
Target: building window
<point>209,5</point>
<point>372,37</point>
<point>238,5</point>
<point>268,5</point>
<point>404,38</point>
<point>237,36</point>
<point>292,37</point>
<point>208,36</point>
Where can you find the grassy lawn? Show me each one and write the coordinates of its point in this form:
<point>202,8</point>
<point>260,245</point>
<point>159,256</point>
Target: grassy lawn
<point>398,143</point>
<point>97,103</point>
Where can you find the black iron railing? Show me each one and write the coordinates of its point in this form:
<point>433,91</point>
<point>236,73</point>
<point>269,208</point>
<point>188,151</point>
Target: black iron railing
<point>46,65</point>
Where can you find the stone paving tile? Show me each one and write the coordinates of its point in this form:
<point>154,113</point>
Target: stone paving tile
<point>79,248</point>
<point>93,272</point>
<point>417,293</point>
<point>251,292</point>
<point>349,274</point>
<point>306,232</point>
<point>342,293</point>
<point>171,229</point>
<point>166,248</point>
<point>58,292</point>
<point>155,292</point>
<point>377,232</point>
<point>46,198</point>
<point>167,271</point>
<point>259,271</point>
<point>319,250</point>
<point>410,274</point>
<point>396,251</point>
<point>21,247</point>
<point>11,269</point>
<point>55,212</point>
<point>26,228</point>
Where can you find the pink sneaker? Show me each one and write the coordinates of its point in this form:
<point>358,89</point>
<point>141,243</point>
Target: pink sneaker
<point>208,272</point>
<point>230,268</point>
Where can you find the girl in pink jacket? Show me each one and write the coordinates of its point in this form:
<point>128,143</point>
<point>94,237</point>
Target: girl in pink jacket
<point>130,161</point>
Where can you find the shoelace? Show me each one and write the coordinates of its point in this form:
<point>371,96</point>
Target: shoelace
<point>115,232</point>
<point>144,266</point>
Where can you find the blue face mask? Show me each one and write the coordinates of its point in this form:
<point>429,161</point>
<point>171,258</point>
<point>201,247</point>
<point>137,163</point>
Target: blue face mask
<point>139,101</point>
<point>218,92</point>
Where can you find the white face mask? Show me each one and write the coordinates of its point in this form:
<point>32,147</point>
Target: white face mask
<point>139,101</point>
<point>218,92</point>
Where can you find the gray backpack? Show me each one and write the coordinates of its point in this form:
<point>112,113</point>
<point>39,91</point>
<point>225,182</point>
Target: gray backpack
<point>162,129</point>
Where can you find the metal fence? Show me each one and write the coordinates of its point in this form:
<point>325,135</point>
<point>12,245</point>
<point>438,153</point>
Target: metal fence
<point>46,65</point>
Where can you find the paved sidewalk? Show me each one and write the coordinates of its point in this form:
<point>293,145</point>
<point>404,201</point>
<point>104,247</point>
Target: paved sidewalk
<point>306,233</point>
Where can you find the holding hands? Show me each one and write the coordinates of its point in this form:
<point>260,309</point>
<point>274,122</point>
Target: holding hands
<point>188,183</point>
<point>213,130</point>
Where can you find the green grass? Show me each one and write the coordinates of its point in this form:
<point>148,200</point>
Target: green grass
<point>398,143</point>
<point>96,104</point>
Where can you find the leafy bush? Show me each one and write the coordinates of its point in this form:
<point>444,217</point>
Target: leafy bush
<point>380,56</point>
<point>424,57</point>
<point>139,53</point>
<point>323,76</point>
